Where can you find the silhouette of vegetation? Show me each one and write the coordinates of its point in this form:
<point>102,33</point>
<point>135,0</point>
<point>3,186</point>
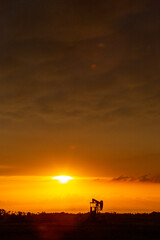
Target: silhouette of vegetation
<point>65,226</point>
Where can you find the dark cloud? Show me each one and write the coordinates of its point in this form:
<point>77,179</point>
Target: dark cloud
<point>145,178</point>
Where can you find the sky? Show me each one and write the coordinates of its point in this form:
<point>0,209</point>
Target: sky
<point>80,95</point>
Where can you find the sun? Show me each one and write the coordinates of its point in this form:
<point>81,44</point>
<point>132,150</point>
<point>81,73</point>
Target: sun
<point>62,178</point>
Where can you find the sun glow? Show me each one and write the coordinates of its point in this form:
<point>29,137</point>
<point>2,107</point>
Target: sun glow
<point>63,178</point>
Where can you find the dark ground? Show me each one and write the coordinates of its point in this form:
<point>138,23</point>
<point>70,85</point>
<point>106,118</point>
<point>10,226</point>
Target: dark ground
<point>80,226</point>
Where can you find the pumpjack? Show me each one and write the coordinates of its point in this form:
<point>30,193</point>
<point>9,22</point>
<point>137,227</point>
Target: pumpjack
<point>95,206</point>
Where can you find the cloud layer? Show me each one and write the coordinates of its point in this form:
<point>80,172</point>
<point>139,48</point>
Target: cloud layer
<point>48,49</point>
<point>76,65</point>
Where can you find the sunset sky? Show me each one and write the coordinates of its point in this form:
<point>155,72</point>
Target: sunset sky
<point>80,96</point>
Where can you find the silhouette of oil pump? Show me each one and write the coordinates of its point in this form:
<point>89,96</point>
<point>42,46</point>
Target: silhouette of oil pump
<point>96,206</point>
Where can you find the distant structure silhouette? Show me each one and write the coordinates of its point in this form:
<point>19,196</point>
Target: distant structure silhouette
<point>2,212</point>
<point>96,206</point>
